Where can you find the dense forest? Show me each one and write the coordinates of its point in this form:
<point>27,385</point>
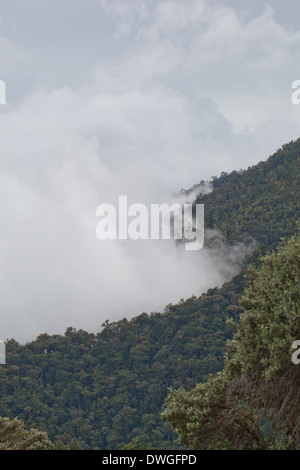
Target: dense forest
<point>261,202</point>
<point>107,390</point>
<point>254,402</point>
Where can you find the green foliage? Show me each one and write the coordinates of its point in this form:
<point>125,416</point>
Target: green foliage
<point>270,321</point>
<point>225,412</point>
<point>262,202</point>
<point>137,443</point>
<point>14,436</point>
<point>206,419</point>
<point>259,356</point>
<point>107,390</point>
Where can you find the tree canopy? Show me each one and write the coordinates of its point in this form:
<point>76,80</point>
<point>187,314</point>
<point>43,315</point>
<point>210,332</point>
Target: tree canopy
<point>106,390</point>
<point>14,436</point>
<point>259,383</point>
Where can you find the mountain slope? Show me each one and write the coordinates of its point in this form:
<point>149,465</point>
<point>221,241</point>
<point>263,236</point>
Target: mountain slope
<point>263,201</point>
<point>107,389</point>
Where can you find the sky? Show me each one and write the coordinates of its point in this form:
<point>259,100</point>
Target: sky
<point>127,97</point>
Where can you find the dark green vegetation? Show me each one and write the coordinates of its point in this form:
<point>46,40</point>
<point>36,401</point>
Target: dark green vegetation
<point>259,384</point>
<point>107,390</point>
<point>261,202</point>
<point>14,436</point>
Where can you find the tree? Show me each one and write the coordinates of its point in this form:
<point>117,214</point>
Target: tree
<point>14,436</point>
<point>259,380</point>
<point>205,419</point>
<point>259,355</point>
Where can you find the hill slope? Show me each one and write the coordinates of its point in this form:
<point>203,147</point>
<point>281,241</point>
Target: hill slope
<point>263,201</point>
<point>107,389</point>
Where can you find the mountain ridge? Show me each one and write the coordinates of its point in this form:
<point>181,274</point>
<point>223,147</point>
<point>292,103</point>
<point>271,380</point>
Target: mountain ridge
<point>106,390</point>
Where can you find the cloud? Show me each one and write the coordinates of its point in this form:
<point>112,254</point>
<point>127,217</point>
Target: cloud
<point>168,94</point>
<point>63,154</point>
<point>203,49</point>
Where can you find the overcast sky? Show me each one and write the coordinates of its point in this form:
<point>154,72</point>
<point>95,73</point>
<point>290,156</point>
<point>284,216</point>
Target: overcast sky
<point>127,97</point>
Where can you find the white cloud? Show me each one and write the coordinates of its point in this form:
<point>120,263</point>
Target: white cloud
<point>63,153</point>
<point>202,49</point>
<point>183,91</point>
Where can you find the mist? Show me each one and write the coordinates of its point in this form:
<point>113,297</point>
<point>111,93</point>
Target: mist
<point>133,105</point>
<point>55,272</point>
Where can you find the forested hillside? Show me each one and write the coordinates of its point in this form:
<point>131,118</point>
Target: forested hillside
<point>253,403</point>
<point>261,202</point>
<point>106,390</point>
